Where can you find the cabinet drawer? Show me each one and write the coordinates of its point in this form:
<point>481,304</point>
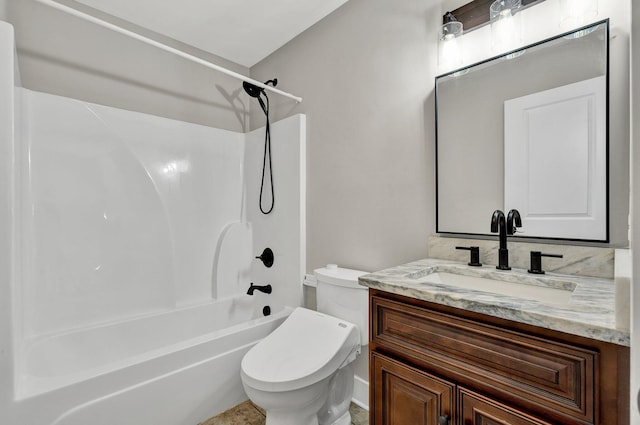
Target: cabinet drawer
<point>522,370</point>
<point>478,410</point>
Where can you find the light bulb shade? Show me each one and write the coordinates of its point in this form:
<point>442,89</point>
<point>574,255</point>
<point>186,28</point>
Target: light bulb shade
<point>450,29</point>
<point>449,51</point>
<point>577,13</point>
<point>506,28</point>
<point>503,8</point>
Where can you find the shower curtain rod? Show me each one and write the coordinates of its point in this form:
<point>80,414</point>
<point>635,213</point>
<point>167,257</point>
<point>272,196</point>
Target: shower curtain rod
<point>139,37</point>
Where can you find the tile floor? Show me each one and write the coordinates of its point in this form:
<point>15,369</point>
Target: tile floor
<point>248,413</point>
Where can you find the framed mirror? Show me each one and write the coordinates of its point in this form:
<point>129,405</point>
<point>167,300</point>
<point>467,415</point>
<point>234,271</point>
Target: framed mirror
<point>527,130</point>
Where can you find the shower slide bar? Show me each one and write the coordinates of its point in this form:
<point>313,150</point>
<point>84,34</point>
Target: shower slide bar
<point>139,37</point>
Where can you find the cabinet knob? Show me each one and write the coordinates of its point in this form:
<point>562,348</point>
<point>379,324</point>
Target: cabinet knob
<point>443,420</point>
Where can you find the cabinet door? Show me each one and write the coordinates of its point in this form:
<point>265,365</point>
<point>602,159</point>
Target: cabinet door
<point>476,409</point>
<point>402,395</point>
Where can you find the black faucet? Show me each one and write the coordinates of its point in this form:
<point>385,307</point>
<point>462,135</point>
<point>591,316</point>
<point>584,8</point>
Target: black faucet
<point>504,226</point>
<point>265,289</point>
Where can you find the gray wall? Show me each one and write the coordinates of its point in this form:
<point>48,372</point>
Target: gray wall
<point>366,73</point>
<point>64,55</point>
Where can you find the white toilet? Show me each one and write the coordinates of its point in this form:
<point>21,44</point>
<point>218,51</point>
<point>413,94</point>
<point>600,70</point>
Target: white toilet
<point>301,373</point>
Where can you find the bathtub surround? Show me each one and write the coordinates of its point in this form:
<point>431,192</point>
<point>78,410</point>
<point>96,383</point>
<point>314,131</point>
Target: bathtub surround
<point>135,242</point>
<point>577,260</point>
<point>8,322</point>
<point>135,214</point>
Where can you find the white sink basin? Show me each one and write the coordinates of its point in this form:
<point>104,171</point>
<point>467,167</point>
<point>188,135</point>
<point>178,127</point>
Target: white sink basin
<point>544,294</point>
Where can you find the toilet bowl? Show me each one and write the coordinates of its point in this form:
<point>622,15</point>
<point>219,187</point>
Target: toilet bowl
<point>302,373</point>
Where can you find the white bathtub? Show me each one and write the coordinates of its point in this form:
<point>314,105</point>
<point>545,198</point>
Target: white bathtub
<point>128,373</point>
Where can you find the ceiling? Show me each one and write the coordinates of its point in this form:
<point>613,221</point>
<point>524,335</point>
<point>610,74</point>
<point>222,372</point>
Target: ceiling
<point>242,31</point>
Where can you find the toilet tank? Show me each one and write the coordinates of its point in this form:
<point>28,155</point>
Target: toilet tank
<point>339,295</point>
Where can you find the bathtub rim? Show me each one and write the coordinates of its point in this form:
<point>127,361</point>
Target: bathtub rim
<point>29,387</point>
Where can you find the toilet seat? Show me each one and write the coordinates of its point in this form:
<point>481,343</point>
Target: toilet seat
<point>309,346</point>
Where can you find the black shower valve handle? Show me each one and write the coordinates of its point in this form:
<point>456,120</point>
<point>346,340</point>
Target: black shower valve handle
<point>474,258</point>
<point>266,257</point>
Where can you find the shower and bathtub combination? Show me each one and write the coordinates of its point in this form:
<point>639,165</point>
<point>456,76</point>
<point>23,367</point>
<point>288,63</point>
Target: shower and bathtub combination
<point>128,245</point>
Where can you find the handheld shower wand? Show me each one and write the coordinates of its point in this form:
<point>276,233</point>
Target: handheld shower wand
<point>258,92</point>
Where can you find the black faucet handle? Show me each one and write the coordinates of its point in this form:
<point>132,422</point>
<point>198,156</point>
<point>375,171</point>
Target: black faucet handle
<point>266,257</point>
<point>536,261</point>
<point>474,259</point>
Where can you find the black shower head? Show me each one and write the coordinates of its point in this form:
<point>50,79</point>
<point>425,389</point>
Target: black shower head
<point>255,91</point>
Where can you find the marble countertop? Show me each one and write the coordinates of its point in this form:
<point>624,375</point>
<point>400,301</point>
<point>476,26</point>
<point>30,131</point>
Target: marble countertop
<point>590,311</point>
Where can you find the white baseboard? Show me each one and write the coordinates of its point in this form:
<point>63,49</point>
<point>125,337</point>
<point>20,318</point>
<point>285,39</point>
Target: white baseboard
<point>361,392</point>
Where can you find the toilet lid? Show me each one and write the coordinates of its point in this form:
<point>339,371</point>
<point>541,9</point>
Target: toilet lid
<point>308,347</point>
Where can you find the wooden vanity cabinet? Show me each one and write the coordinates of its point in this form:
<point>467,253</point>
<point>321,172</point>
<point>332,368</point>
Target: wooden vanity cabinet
<point>437,365</point>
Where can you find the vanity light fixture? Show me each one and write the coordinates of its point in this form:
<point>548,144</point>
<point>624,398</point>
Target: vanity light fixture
<point>449,51</point>
<point>502,15</point>
<point>577,13</point>
<point>506,28</point>
<point>475,14</point>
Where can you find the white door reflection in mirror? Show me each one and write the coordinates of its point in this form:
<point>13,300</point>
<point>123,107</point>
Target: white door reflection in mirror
<point>556,161</point>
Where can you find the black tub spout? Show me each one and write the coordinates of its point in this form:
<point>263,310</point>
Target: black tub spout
<point>264,289</point>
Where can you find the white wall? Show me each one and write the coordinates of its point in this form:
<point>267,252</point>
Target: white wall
<point>67,56</point>
<point>366,76</point>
